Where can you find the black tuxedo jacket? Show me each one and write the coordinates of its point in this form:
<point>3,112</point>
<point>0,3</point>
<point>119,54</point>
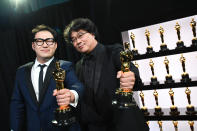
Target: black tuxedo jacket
<point>97,113</point>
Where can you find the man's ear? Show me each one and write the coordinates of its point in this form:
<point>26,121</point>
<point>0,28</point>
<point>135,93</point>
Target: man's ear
<point>33,45</point>
<point>56,44</point>
<point>93,35</point>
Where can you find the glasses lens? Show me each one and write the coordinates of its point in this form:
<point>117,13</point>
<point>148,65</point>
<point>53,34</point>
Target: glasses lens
<point>40,42</point>
<point>73,40</point>
<point>79,36</point>
<point>49,41</point>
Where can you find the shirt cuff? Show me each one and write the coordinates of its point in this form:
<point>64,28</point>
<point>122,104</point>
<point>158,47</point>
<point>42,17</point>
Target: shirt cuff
<point>74,104</point>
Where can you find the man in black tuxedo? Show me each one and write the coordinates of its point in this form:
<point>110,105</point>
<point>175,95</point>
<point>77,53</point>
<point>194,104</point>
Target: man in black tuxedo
<point>99,70</point>
<point>35,97</point>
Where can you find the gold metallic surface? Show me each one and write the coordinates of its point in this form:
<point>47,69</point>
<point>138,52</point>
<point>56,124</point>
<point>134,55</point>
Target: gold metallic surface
<point>178,27</point>
<point>193,25</point>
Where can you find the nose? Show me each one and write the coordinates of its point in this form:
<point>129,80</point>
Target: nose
<point>45,44</point>
<point>78,41</point>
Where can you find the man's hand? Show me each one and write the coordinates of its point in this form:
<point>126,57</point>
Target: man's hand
<point>127,79</point>
<point>64,96</point>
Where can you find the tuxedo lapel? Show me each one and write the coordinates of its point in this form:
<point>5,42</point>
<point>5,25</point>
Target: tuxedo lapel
<point>99,66</point>
<point>47,79</point>
<point>29,83</point>
<point>78,69</point>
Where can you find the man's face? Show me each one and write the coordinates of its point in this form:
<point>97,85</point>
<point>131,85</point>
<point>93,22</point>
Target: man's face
<point>83,41</point>
<point>44,46</point>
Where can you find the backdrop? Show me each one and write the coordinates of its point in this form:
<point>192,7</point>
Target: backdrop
<point>111,17</point>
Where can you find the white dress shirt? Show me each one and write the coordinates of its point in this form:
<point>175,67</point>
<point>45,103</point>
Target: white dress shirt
<point>35,75</point>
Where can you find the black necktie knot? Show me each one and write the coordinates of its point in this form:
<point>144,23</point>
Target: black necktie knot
<point>41,66</point>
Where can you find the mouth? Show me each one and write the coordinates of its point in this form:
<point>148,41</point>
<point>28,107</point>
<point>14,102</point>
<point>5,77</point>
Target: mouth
<point>44,51</point>
<point>80,46</point>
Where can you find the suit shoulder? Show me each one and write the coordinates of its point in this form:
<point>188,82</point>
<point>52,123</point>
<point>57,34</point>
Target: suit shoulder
<point>65,64</point>
<point>114,48</point>
<point>25,65</point>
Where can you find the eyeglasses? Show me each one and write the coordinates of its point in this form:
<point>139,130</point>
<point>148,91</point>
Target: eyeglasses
<point>40,41</point>
<point>79,36</point>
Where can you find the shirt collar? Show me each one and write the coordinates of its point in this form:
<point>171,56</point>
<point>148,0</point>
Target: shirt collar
<point>46,63</point>
<point>95,51</point>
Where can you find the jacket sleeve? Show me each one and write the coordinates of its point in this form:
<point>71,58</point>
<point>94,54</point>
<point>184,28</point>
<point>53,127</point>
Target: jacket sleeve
<point>116,49</point>
<point>72,82</point>
<point>17,107</point>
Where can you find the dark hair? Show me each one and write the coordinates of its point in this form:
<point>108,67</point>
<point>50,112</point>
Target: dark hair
<point>80,24</point>
<point>43,27</point>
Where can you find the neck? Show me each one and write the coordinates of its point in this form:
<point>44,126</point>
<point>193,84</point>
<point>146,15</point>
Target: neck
<point>43,60</point>
<point>94,43</point>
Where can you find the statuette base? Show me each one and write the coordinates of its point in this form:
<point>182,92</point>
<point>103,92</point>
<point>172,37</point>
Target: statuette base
<point>149,50</point>
<point>174,111</point>
<point>191,110</point>
<point>194,42</point>
<point>123,99</point>
<point>158,111</point>
<point>154,81</point>
<point>145,111</point>
<point>185,78</point>
<point>64,117</point>
<point>169,79</point>
<point>163,47</point>
<point>180,45</point>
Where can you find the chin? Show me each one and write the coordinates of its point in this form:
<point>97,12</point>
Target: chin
<point>81,50</point>
<point>47,57</point>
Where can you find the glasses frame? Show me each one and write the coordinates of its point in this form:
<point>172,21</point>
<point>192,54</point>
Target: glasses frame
<point>44,40</point>
<point>79,36</point>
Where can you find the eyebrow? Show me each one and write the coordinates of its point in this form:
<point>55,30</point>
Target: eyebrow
<point>43,39</point>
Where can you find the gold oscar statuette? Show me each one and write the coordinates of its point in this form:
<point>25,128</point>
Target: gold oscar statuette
<point>147,122</point>
<point>191,124</point>
<point>163,46</point>
<point>144,108</point>
<point>184,75</point>
<point>149,48</point>
<point>173,109</point>
<point>175,123</point>
<point>180,43</point>
<point>64,115</point>
<point>169,79</point>
<point>134,51</point>
<point>124,96</point>
<point>153,78</point>
<point>194,39</point>
<point>137,65</point>
<point>160,125</point>
<point>158,111</point>
<point>190,108</point>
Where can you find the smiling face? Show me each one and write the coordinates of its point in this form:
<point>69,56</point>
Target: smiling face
<point>44,52</point>
<point>83,41</point>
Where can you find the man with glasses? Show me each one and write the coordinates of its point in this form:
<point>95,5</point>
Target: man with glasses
<point>35,97</point>
<point>99,70</point>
